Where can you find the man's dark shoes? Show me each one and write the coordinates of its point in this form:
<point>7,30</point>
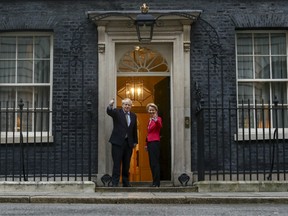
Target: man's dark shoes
<point>127,185</point>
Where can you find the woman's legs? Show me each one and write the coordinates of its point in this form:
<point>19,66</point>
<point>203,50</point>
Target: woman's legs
<point>154,155</point>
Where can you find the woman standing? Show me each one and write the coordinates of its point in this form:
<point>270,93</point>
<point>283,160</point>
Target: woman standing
<point>153,142</point>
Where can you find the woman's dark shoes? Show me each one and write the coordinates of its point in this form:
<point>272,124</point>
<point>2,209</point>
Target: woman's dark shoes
<point>154,185</point>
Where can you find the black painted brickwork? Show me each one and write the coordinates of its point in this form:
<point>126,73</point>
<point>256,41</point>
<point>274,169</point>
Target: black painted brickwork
<point>74,86</point>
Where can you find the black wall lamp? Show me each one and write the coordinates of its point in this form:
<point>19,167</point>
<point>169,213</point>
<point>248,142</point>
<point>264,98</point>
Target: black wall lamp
<point>144,24</point>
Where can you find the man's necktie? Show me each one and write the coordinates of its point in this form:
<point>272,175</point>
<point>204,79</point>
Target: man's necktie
<point>127,118</point>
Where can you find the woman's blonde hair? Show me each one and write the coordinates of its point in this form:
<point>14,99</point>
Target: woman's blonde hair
<point>152,105</point>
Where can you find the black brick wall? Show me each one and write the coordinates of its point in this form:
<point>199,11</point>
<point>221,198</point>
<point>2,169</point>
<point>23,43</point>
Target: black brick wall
<point>75,74</point>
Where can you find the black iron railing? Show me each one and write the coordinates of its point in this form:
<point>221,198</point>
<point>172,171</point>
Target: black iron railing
<point>249,142</point>
<point>39,144</point>
<point>232,143</point>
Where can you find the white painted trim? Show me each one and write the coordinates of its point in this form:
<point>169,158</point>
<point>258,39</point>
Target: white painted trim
<point>267,134</point>
<point>180,95</point>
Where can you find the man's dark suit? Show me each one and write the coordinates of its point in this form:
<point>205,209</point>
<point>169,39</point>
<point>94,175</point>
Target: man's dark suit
<point>123,139</point>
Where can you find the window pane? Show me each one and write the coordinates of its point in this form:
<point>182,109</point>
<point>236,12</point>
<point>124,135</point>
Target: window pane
<point>26,121</point>
<point>25,47</point>
<point>279,90</point>
<point>283,116</point>
<point>7,47</point>
<point>41,120</point>
<point>244,44</point>
<point>262,93</point>
<point>7,120</point>
<point>42,71</point>
<point>7,94</point>
<point>261,44</point>
<point>42,96</point>
<point>279,67</point>
<point>42,47</point>
<point>245,67</point>
<point>7,71</point>
<point>26,94</point>
<point>263,117</point>
<point>245,93</point>
<point>262,67</point>
<point>143,60</point>
<point>278,44</point>
<point>25,72</point>
<point>246,119</point>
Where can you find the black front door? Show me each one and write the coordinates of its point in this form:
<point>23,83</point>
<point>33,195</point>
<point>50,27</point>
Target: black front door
<point>162,100</point>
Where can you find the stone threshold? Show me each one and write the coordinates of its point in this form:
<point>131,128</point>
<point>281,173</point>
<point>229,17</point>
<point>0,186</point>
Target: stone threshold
<point>147,189</point>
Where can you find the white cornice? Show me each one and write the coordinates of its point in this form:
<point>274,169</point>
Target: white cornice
<point>189,15</point>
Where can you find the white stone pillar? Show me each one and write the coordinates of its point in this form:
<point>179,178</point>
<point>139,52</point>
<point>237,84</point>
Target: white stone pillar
<point>105,95</point>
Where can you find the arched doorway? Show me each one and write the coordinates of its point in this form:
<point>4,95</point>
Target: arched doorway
<point>175,32</point>
<point>138,77</point>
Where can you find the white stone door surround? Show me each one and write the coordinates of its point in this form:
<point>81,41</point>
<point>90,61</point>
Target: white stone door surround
<point>175,30</point>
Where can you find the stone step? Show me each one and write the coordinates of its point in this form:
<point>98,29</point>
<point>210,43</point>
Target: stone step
<point>166,186</point>
<point>147,189</point>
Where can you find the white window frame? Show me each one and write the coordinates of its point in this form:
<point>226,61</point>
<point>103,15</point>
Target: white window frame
<point>30,136</point>
<point>255,133</point>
